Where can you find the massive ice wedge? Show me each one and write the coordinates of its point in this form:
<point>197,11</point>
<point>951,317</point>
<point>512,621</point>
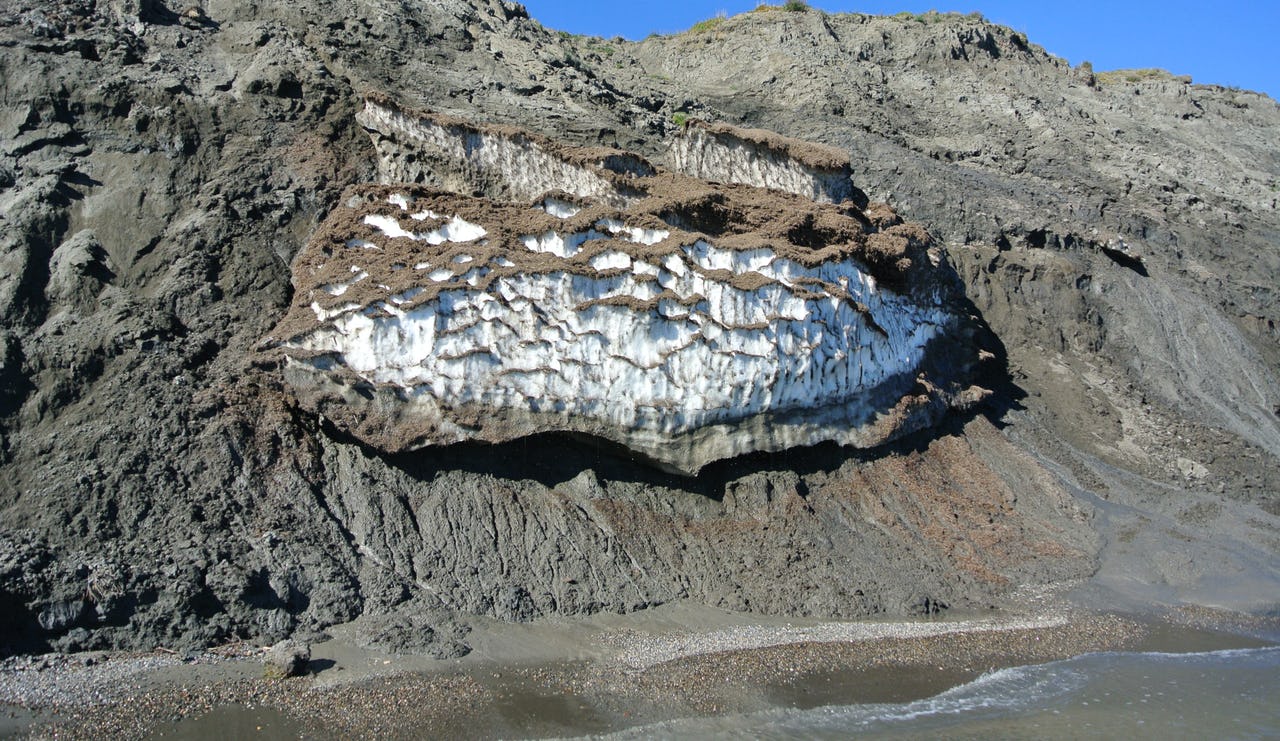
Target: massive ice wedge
<point>729,154</point>
<point>688,321</point>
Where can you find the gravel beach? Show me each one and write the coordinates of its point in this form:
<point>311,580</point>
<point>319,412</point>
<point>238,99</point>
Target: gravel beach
<point>582,677</point>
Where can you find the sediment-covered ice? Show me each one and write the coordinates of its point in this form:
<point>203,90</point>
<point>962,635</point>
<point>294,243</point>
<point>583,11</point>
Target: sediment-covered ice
<point>613,343</point>
<point>763,159</point>
<point>688,322</point>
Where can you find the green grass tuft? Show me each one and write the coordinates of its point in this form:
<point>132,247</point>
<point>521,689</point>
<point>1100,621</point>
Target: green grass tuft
<point>708,25</point>
<point>793,6</point>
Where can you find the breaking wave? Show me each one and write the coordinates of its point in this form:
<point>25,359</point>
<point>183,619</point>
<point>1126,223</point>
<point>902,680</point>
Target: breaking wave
<point>1220,694</point>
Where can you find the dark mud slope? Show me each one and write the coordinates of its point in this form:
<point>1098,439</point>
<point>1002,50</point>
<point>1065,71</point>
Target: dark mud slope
<point>160,166</point>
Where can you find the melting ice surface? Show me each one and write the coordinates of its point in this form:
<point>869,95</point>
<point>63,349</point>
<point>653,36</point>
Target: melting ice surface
<point>559,209</point>
<point>455,229</point>
<point>1231,694</point>
<point>669,346</point>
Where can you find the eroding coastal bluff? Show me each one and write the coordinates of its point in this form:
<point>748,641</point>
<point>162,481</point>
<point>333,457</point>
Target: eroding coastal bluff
<point>499,284</point>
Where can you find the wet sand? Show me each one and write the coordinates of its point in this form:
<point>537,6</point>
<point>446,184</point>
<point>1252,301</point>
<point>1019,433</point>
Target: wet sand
<point>566,678</point>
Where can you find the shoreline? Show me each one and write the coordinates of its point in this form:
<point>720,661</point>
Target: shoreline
<point>595,675</point>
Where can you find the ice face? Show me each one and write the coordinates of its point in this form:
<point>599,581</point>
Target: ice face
<point>559,209</point>
<point>529,171</point>
<point>686,319</point>
<point>664,347</point>
<point>455,228</point>
<point>727,158</point>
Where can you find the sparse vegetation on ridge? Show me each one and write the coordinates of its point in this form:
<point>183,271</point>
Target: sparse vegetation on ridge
<point>707,25</point>
<point>599,46</point>
<point>799,6</point>
<point>934,16</point>
<point>1148,74</point>
<point>793,6</point>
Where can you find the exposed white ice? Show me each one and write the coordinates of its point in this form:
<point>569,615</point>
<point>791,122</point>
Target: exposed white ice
<point>633,234</point>
<point>337,289</point>
<point>525,170</point>
<point>325,315</point>
<point>729,160</point>
<point>456,229</point>
<point>406,297</point>
<point>611,260</point>
<point>704,352</point>
<point>388,226</point>
<point>635,330</point>
<point>568,245</point>
<point>559,209</point>
<point>555,244</point>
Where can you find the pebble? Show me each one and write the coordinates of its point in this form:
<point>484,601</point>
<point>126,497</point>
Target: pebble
<point>650,678</point>
<point>41,681</point>
<point>642,652</point>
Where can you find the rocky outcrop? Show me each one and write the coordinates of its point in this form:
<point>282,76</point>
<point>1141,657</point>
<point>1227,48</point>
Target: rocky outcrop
<point>699,323</point>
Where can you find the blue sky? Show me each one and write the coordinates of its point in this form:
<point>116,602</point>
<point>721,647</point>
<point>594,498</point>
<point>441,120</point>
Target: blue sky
<point>1225,43</point>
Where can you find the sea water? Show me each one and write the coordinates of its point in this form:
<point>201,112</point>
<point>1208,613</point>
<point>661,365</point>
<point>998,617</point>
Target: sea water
<point>1230,694</point>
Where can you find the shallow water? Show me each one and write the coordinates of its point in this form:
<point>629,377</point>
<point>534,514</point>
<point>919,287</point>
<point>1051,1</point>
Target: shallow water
<point>1177,682</point>
<point>1231,694</point>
